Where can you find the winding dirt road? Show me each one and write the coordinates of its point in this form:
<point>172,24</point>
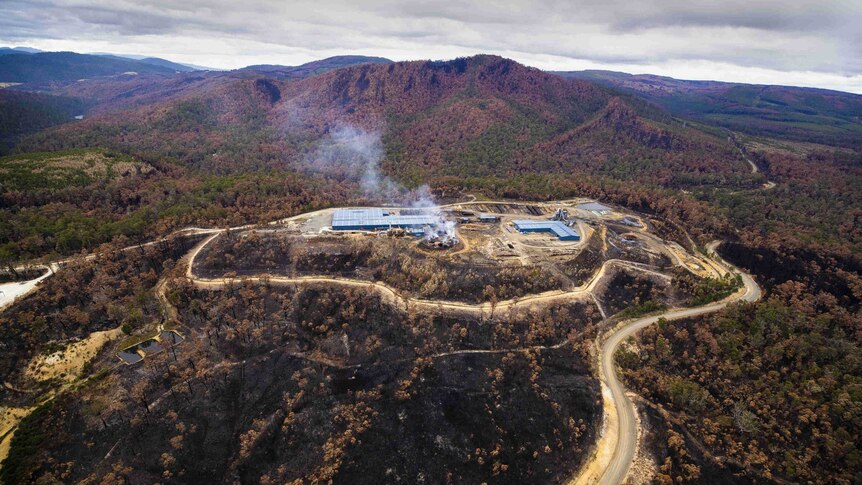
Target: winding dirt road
<point>616,448</point>
<point>11,292</point>
<point>768,185</point>
<point>618,443</point>
<point>394,297</point>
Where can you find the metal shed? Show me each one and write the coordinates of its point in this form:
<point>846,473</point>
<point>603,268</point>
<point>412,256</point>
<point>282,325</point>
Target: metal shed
<point>370,219</point>
<point>557,228</point>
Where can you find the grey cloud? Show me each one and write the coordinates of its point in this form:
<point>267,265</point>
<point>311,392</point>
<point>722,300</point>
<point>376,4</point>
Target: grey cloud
<point>626,15</point>
<point>804,35</point>
<point>61,18</point>
<point>767,15</point>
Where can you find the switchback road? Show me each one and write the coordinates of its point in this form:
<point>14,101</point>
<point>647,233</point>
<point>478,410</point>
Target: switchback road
<point>616,447</point>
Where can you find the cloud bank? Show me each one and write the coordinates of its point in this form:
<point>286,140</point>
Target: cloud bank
<point>804,42</point>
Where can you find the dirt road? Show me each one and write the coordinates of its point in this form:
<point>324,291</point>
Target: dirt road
<point>754,168</point>
<point>394,297</point>
<point>10,292</point>
<point>618,443</point>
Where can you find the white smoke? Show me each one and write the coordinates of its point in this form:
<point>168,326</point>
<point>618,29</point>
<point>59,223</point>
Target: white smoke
<point>423,199</point>
<point>356,153</point>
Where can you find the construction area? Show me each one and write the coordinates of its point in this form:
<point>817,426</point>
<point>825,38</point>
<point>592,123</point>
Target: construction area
<point>507,234</point>
<point>475,231</point>
<point>436,230</point>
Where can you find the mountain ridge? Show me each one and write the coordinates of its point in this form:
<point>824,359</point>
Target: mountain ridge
<point>315,67</point>
<point>69,66</point>
<point>483,115</point>
<point>786,112</point>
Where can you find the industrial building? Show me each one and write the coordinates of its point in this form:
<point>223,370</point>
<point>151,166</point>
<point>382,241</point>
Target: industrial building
<point>488,218</point>
<point>559,229</point>
<point>371,219</point>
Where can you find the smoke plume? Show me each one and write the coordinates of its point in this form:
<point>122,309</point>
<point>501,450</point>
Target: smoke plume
<point>354,153</point>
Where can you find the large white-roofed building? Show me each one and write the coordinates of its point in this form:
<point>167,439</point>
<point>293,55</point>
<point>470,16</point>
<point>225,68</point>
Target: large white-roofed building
<point>371,219</point>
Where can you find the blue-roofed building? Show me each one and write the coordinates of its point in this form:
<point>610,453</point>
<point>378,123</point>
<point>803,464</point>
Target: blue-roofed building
<point>371,219</point>
<point>488,218</point>
<point>557,228</point>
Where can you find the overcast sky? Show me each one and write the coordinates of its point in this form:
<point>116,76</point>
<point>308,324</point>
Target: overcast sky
<point>795,42</point>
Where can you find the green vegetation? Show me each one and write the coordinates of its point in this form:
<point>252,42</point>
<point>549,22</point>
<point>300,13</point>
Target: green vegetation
<point>772,387</point>
<point>816,199</point>
<point>22,113</point>
<point>66,201</point>
<point>59,170</point>
<point>25,445</point>
<point>192,114</point>
<point>687,395</point>
<point>736,380</point>
<point>708,290</point>
<point>649,306</point>
<point>804,114</point>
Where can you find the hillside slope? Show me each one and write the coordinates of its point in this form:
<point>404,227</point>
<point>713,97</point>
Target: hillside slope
<point>477,116</point>
<point>804,114</point>
<point>22,113</point>
<point>68,66</point>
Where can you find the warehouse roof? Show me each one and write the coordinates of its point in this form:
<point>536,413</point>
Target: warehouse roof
<point>377,218</point>
<point>559,229</point>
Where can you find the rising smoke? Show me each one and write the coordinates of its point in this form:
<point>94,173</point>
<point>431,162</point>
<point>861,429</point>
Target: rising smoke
<point>355,153</point>
<point>422,199</point>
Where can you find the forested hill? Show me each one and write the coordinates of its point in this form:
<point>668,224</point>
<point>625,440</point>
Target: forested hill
<point>478,116</point>
<point>69,66</point>
<point>802,114</point>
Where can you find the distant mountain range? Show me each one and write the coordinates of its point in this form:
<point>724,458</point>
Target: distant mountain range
<point>156,61</point>
<point>69,66</point>
<point>644,105</point>
<point>315,67</point>
<point>794,113</point>
<point>476,116</point>
<point>18,50</point>
<point>108,82</point>
<point>821,115</point>
<point>28,65</point>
